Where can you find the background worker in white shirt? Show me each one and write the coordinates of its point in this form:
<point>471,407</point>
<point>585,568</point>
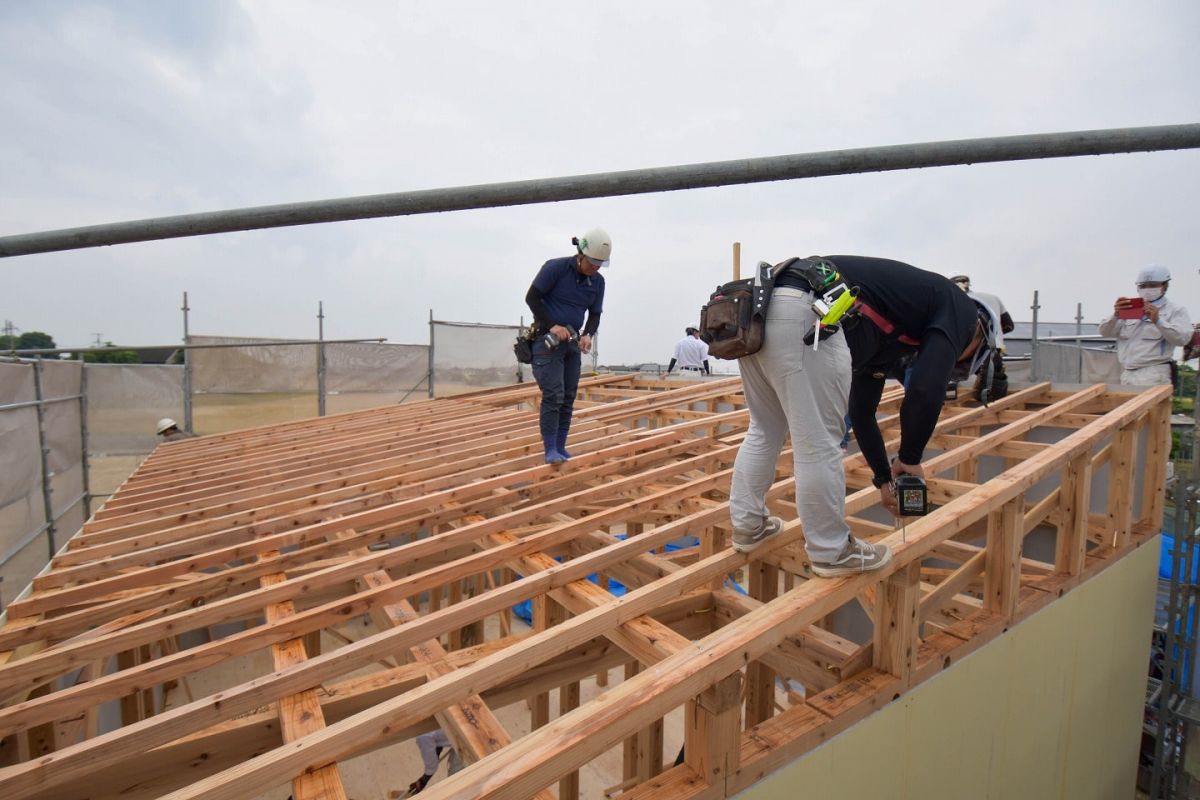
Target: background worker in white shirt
<point>999,376</point>
<point>690,353</point>
<point>1146,342</point>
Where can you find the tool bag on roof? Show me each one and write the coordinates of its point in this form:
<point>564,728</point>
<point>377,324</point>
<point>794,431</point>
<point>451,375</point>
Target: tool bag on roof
<point>733,321</point>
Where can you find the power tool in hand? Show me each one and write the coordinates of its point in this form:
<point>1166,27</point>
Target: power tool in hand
<point>912,495</point>
<point>552,341</point>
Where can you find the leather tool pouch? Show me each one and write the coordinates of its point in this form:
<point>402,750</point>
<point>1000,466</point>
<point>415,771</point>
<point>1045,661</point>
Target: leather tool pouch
<point>733,321</point>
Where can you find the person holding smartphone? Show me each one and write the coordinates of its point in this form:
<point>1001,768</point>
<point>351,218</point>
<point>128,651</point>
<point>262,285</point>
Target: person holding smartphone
<point>1148,328</point>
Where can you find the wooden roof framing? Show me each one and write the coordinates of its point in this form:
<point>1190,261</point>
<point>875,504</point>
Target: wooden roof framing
<point>424,516</point>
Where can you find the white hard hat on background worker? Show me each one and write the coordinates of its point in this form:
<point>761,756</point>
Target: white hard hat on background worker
<point>595,246</point>
<point>165,424</point>
<point>1155,273</point>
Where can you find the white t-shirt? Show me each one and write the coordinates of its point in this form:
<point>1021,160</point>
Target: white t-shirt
<point>997,307</point>
<point>690,352</point>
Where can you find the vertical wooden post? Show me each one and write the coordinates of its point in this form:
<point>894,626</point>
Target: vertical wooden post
<point>1158,450</point>
<point>147,700</point>
<point>568,699</point>
<point>474,632</point>
<point>650,739</point>
<point>1076,495</point>
<point>506,577</point>
<point>710,542</point>
<point>737,261</point>
<point>642,752</point>
<point>131,704</point>
<point>39,740</point>
<point>895,644</point>
<point>1120,486</point>
<point>760,679</point>
<point>713,731</point>
<point>968,471</point>
<point>1002,563</point>
<point>539,704</point>
<point>632,756</point>
<point>456,595</point>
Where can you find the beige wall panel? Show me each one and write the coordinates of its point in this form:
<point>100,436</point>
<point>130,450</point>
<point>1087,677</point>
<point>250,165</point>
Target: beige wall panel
<point>1052,709</point>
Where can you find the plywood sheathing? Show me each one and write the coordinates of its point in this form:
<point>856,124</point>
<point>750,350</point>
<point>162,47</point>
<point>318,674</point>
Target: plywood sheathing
<point>420,517</point>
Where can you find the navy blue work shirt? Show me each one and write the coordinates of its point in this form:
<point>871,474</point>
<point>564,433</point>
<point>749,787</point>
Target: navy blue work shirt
<point>567,293</point>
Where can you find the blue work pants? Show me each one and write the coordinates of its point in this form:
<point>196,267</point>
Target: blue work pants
<point>557,374</point>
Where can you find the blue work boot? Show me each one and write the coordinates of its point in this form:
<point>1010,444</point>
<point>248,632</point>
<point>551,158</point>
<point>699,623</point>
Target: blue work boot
<point>552,454</point>
<point>560,444</point>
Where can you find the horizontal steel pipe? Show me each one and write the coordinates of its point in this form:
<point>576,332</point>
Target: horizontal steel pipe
<point>614,184</point>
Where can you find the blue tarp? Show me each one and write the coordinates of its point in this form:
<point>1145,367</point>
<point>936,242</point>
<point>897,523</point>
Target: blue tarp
<point>524,609</point>
<point>1165,561</point>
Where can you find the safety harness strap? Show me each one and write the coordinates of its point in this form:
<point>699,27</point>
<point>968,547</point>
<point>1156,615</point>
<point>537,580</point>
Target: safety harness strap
<point>884,324</point>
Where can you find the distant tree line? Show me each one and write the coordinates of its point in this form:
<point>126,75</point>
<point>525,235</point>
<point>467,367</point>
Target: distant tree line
<point>30,340</point>
<point>114,356</point>
<point>37,340</point>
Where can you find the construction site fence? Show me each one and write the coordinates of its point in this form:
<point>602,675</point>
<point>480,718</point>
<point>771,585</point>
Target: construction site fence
<point>44,496</point>
<point>464,357</point>
<point>1066,362</point>
<point>57,416</point>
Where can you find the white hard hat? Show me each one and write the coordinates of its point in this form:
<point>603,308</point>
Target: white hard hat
<point>1154,273</point>
<point>596,245</point>
<point>166,423</point>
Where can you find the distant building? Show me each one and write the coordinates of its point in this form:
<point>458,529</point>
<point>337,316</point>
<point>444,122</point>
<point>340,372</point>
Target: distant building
<point>1017,343</point>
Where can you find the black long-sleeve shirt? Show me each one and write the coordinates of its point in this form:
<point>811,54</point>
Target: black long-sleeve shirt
<point>925,307</point>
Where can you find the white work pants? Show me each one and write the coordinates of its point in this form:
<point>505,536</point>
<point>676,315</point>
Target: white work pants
<point>1146,376</point>
<point>792,390</point>
<point>428,744</point>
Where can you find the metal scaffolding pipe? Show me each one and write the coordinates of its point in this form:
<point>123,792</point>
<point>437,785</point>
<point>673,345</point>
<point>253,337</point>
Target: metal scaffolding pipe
<point>187,370</point>
<point>320,358</point>
<point>117,348</point>
<point>614,184</point>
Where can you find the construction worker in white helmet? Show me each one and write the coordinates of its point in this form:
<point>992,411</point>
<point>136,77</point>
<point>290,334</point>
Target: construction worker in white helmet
<point>566,298</point>
<point>1006,325</point>
<point>169,430</point>
<point>1148,328</point>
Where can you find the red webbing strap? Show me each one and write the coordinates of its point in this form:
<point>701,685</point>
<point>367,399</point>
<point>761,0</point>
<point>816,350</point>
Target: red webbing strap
<point>884,324</point>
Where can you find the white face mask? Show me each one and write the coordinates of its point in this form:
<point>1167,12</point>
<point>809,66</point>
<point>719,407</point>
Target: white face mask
<point>1150,295</point>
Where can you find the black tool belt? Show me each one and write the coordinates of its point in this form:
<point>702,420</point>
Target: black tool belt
<point>813,274</point>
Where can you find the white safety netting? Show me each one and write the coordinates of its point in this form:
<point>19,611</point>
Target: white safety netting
<point>372,374</point>
<point>1060,362</point>
<point>24,534</point>
<point>357,375</point>
<point>126,400</point>
<point>256,368</point>
<point>474,356</point>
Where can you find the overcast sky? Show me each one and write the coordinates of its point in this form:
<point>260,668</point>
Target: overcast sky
<point>125,110</point>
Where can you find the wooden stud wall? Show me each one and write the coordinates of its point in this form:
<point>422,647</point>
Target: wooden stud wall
<point>422,518</point>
